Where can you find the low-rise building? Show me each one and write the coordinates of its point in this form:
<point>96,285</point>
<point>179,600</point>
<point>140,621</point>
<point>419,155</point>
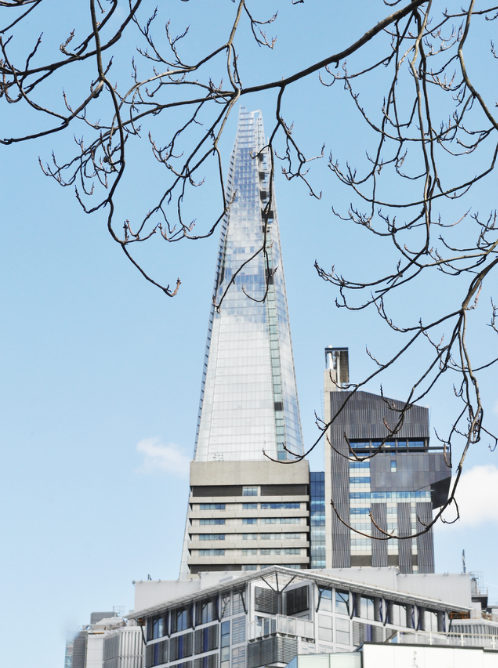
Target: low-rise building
<point>266,618</point>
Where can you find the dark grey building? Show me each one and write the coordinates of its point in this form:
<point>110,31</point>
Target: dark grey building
<point>400,486</point>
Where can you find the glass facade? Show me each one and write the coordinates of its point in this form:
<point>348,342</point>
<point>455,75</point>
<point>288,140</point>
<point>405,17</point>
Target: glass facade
<point>249,398</point>
<point>317,519</point>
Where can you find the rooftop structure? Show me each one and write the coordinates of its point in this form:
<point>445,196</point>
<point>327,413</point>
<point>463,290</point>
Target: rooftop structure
<point>108,641</point>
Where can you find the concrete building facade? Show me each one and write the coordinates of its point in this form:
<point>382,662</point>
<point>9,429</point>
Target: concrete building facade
<point>260,518</point>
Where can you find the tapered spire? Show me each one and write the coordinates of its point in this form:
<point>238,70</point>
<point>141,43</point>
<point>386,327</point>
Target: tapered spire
<point>249,397</point>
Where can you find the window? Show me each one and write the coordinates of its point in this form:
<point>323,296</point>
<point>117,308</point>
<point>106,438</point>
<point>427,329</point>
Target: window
<point>212,536</point>
<point>249,520</point>
<point>210,661</point>
<point>225,645</point>
<point>212,506</point>
<point>342,602</point>
<point>156,654</point>
<point>206,639</point>
<point>325,628</point>
<point>225,605</point>
<point>249,553</point>
<point>157,626</point>
<point>342,631</point>
<point>325,595</point>
<point>207,610</point>
<point>239,657</point>
<point>360,511</point>
<point>430,621</point>
<point>367,608</point>
<point>266,600</point>
<point>201,522</point>
<point>393,466</point>
<point>180,646</point>
<point>397,614</point>
<point>280,506</point>
<point>211,553</point>
<point>249,536</point>
<point>280,536</point>
<point>249,567</point>
<point>249,491</point>
<point>296,600</point>
<point>181,619</point>
<point>238,630</point>
<point>249,506</point>
<point>238,602</point>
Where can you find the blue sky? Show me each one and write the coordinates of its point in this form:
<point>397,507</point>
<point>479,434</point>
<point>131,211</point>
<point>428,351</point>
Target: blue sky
<point>101,372</point>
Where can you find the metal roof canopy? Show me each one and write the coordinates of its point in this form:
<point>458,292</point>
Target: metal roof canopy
<point>322,579</point>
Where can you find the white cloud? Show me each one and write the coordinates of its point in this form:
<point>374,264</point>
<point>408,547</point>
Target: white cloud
<point>159,457</point>
<point>477,496</point>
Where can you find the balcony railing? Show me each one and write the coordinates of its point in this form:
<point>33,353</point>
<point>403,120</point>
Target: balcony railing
<point>291,626</point>
<point>449,639</point>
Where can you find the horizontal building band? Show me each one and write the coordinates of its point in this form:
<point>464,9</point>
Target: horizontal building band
<point>248,528</point>
<point>283,559</point>
<point>238,491</point>
<point>303,498</point>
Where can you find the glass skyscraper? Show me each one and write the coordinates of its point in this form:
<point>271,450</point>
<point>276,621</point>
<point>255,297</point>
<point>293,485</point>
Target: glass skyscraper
<point>246,512</point>
<point>249,397</point>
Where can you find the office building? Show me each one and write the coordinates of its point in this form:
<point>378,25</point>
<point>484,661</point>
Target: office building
<point>108,641</point>
<point>246,511</point>
<point>236,620</point>
<point>400,486</point>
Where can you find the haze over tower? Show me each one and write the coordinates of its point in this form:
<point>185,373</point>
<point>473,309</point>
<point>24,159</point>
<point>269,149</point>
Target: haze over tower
<point>249,397</point>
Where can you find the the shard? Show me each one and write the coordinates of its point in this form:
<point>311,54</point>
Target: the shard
<point>249,397</point>
<point>249,405</point>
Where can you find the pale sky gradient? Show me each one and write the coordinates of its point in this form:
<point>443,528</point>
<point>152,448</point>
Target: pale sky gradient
<point>101,373</point>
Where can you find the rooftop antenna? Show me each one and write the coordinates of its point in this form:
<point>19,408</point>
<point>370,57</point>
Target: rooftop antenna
<point>463,562</point>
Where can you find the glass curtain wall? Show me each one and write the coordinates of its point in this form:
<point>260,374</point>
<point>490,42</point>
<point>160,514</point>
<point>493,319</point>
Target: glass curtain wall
<point>317,519</point>
<point>249,398</point>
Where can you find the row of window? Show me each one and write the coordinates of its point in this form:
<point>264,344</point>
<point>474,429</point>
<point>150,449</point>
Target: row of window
<point>272,536</point>
<point>373,609</point>
<point>426,496</point>
<point>247,536</point>
<point>248,553</point>
<point>252,520</point>
<point>400,443</point>
<point>251,506</point>
<point>198,642</point>
<point>204,611</point>
<point>271,520</point>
